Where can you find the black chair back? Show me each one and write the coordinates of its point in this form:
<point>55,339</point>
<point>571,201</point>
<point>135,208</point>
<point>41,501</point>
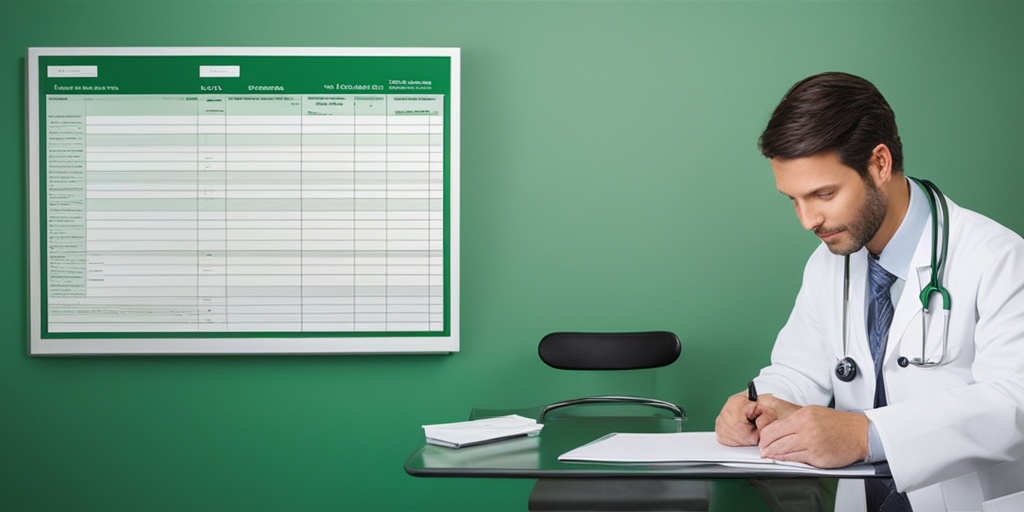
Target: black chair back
<point>609,351</point>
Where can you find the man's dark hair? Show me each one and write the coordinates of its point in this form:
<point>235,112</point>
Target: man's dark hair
<point>833,112</point>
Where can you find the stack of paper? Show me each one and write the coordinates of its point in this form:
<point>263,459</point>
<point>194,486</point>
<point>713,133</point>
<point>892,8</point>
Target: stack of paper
<point>691,448</point>
<point>659,448</point>
<point>468,433</point>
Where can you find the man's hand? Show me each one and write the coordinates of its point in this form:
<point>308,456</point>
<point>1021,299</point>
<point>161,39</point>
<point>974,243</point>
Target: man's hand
<point>734,425</point>
<point>771,409</point>
<point>815,435</point>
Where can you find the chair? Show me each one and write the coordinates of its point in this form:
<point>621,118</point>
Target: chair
<point>615,351</point>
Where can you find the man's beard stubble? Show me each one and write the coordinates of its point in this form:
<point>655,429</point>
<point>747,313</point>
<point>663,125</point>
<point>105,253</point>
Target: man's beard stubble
<point>865,225</point>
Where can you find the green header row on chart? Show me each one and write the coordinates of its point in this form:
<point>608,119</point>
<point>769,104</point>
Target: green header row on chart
<point>243,74</point>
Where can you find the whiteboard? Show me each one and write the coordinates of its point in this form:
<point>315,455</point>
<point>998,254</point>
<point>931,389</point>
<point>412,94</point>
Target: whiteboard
<point>243,200</point>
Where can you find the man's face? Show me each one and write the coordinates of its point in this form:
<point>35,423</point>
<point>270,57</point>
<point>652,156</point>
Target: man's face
<point>832,200</point>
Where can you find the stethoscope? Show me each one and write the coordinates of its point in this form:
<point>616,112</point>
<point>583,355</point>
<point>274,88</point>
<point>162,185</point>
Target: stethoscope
<point>846,369</point>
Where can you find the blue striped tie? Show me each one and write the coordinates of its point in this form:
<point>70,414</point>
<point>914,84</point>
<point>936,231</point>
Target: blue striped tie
<point>881,493</point>
<point>879,315</point>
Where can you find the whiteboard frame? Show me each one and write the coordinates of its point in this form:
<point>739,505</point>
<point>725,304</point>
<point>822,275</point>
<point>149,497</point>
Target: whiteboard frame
<point>381,343</point>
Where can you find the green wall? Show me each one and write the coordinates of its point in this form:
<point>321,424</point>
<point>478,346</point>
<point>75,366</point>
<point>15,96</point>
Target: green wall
<point>610,180</point>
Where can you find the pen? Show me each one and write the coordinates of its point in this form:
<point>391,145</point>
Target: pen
<point>751,391</point>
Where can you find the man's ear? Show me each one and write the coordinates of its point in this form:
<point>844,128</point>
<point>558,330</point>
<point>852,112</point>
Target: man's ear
<point>880,165</point>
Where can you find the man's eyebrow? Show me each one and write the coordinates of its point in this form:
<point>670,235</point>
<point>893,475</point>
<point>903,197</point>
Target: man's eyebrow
<point>812,192</point>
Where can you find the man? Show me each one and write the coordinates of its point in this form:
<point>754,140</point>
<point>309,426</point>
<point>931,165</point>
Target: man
<point>948,416</point>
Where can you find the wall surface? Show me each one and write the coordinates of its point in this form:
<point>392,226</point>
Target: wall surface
<point>610,181</point>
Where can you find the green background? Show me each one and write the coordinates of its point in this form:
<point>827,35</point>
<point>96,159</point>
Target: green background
<point>610,181</point>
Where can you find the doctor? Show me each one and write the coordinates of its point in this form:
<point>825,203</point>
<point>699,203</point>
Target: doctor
<point>943,405</point>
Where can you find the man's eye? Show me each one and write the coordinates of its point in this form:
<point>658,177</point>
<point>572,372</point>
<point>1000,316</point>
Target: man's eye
<point>826,195</point>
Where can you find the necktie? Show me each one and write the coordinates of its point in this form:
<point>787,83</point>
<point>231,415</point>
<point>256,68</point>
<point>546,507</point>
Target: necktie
<point>879,319</point>
<point>881,493</point>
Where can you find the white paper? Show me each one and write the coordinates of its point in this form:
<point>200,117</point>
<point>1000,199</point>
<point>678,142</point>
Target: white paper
<point>689,447</point>
<point>467,433</point>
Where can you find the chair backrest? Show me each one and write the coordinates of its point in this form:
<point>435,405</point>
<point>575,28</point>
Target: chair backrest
<point>609,350</point>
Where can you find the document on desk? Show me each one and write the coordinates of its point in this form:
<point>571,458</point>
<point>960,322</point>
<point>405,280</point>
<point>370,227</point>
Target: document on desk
<point>691,448</point>
<point>487,430</point>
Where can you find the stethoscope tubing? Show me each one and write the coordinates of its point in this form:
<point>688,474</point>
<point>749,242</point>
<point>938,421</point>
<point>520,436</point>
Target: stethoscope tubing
<point>846,369</point>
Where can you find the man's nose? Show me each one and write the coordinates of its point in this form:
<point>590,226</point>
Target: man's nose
<point>809,217</point>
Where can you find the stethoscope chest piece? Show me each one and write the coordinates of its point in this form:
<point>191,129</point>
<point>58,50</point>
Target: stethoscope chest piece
<point>846,369</point>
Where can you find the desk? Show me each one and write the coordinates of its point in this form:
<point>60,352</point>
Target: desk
<point>537,457</point>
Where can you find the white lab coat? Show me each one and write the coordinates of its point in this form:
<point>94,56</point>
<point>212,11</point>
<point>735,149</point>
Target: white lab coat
<point>953,434</point>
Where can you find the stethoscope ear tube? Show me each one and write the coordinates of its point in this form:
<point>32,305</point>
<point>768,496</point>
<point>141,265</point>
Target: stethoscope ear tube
<point>938,257</point>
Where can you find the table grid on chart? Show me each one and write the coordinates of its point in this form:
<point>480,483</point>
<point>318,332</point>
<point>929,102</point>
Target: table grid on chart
<point>245,213</point>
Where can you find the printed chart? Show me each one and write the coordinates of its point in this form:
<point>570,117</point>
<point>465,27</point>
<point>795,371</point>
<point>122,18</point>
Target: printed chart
<point>246,203</point>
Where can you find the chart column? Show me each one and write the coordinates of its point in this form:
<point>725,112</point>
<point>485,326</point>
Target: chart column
<point>409,191</point>
<point>66,209</point>
<point>371,213</point>
<point>264,213</point>
<point>437,215</point>
<point>211,209</point>
<point>328,213</point>
<point>141,168</point>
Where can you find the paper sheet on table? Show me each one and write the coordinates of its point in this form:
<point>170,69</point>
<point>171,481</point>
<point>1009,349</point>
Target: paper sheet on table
<point>469,433</point>
<point>690,447</point>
